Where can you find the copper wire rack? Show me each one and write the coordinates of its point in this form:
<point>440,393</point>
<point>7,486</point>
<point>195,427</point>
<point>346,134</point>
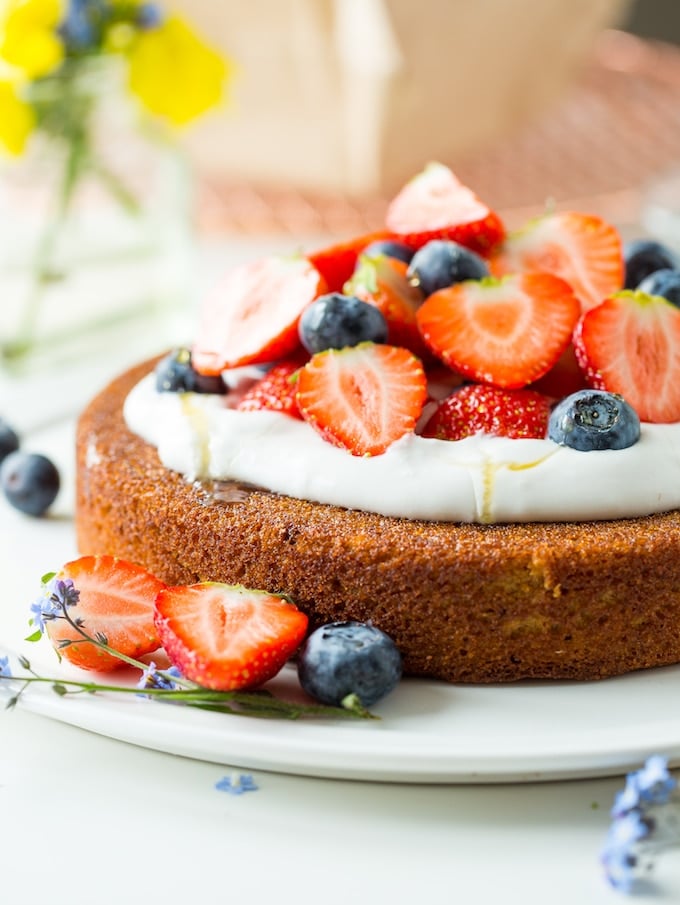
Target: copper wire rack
<point>600,145</point>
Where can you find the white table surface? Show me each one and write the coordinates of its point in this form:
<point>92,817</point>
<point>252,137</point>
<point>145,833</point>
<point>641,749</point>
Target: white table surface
<point>86,819</point>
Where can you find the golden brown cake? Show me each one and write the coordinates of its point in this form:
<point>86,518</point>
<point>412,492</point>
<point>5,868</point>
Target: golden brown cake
<point>463,602</point>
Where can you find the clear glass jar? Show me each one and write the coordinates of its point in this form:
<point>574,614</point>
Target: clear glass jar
<point>94,220</point>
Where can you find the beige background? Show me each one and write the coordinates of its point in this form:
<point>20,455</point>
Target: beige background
<point>356,95</point>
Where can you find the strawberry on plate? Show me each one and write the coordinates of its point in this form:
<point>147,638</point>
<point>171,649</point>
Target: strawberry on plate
<point>582,249</point>
<point>252,316</point>
<point>275,391</point>
<point>336,263</point>
<point>117,600</point>
<point>382,281</point>
<point>478,408</point>
<point>227,637</point>
<point>436,205</point>
<point>362,398</point>
<point>630,345</point>
<point>506,332</point>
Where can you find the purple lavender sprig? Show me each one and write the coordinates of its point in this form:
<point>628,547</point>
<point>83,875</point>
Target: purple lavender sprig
<point>645,822</point>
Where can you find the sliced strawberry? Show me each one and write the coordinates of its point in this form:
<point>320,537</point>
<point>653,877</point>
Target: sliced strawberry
<point>117,601</point>
<point>227,637</point>
<point>252,316</point>
<point>436,205</point>
<point>564,378</point>
<point>581,248</point>
<point>382,281</point>
<point>362,398</point>
<point>630,344</point>
<point>506,332</point>
<point>477,408</point>
<point>336,263</point>
<point>275,392</point>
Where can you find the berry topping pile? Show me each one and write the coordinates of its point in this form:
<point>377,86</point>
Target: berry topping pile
<point>359,337</point>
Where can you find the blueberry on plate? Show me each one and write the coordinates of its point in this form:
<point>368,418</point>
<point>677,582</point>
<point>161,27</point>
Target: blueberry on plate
<point>665,283</point>
<point>335,321</point>
<point>176,374</point>
<point>344,658</point>
<point>441,263</point>
<point>30,482</point>
<point>594,419</point>
<point>645,256</point>
<point>9,441</point>
<point>390,249</point>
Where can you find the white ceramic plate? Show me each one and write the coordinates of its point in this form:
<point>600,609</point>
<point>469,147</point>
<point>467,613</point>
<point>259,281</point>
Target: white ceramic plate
<point>429,732</point>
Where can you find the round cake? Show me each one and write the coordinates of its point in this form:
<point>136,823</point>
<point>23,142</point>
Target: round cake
<point>463,602</point>
<point>469,439</point>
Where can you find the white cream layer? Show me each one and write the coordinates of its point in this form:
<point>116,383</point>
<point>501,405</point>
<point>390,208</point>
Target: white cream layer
<point>479,479</point>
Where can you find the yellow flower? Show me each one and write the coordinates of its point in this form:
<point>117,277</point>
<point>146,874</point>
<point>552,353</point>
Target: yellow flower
<point>174,73</point>
<point>28,37</point>
<point>16,119</point>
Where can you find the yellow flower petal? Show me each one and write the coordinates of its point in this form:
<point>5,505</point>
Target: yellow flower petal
<point>35,53</point>
<point>17,119</point>
<point>174,73</point>
<point>31,14</point>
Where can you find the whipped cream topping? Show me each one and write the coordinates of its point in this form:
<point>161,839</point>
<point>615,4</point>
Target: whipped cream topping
<point>480,479</point>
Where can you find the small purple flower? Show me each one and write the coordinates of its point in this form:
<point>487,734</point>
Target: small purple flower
<point>152,678</point>
<point>5,671</point>
<point>645,823</point>
<point>236,784</point>
<point>149,15</point>
<point>58,594</point>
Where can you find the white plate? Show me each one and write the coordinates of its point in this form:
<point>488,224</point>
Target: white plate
<point>429,732</point>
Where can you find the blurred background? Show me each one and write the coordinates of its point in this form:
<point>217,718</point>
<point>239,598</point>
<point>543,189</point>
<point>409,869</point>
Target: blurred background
<point>575,101</point>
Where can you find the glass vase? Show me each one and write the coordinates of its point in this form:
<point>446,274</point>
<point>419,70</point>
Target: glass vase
<point>94,221</point>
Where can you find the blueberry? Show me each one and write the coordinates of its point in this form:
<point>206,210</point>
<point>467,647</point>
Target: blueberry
<point>9,441</point>
<point>29,481</point>
<point>335,321</point>
<point>594,419</point>
<point>176,374</point>
<point>390,249</point>
<point>644,256</point>
<point>440,263</point>
<point>344,658</point>
<point>664,282</point>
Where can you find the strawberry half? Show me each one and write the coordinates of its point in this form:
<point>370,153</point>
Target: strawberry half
<point>116,600</point>
<point>362,398</point>
<point>436,205</point>
<point>630,344</point>
<point>275,392</point>
<point>476,408</point>
<point>582,249</point>
<point>382,281</point>
<point>506,332</point>
<point>227,637</point>
<point>336,263</point>
<point>252,316</point>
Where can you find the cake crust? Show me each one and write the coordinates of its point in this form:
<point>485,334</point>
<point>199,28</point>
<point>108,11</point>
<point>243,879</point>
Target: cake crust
<point>463,602</point>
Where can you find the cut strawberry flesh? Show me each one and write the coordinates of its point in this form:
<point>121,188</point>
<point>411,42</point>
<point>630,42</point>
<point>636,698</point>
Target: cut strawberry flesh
<point>435,204</point>
<point>582,249</point>
<point>630,344</point>
<point>252,317</point>
<point>505,332</point>
<point>227,637</point>
<point>117,600</point>
<point>362,398</point>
